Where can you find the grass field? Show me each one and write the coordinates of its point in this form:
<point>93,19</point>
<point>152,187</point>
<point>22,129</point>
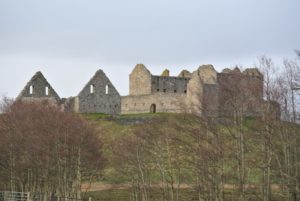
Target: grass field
<point>117,128</point>
<point>155,195</point>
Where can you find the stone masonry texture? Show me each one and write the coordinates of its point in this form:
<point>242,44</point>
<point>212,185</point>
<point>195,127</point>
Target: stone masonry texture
<point>203,92</point>
<point>35,90</point>
<point>140,81</point>
<point>99,96</point>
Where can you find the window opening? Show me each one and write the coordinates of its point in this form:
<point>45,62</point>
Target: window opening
<point>47,91</point>
<point>92,88</point>
<point>31,89</point>
<point>106,89</point>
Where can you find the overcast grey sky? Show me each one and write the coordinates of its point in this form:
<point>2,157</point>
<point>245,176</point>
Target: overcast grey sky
<point>68,40</point>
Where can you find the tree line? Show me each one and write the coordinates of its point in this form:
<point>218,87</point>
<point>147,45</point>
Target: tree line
<point>45,151</point>
<point>235,157</point>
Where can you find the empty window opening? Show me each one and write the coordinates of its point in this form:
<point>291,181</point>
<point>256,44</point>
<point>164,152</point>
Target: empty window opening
<point>31,89</point>
<point>175,91</point>
<point>165,90</point>
<point>185,91</point>
<point>153,108</point>
<point>47,91</point>
<point>157,89</point>
<point>106,89</point>
<point>92,88</point>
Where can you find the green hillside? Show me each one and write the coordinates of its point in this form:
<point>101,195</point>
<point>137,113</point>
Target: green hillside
<point>163,154</point>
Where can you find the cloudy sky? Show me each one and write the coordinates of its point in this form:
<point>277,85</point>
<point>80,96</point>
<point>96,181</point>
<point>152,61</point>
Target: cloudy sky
<point>68,40</point>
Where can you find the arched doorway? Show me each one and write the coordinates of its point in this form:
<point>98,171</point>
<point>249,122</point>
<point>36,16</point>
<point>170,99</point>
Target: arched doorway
<point>153,108</point>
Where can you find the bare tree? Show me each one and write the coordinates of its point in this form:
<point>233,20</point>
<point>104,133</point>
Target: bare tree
<point>292,78</point>
<point>268,69</point>
<point>279,87</point>
<point>46,151</point>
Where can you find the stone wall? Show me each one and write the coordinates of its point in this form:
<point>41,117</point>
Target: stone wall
<point>204,92</point>
<point>38,89</point>
<point>169,84</point>
<point>52,101</point>
<point>210,100</point>
<point>140,81</point>
<point>99,96</point>
<point>71,104</point>
<point>194,97</point>
<point>207,74</point>
<point>185,73</point>
<point>163,102</point>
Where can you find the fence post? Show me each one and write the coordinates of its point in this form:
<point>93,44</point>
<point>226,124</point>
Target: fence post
<point>5,196</point>
<point>28,196</point>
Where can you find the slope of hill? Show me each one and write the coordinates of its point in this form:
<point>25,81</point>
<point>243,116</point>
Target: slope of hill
<point>162,153</point>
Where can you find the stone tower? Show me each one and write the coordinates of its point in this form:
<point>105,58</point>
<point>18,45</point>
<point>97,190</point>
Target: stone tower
<point>140,81</point>
<point>202,94</point>
<point>38,89</point>
<point>99,96</point>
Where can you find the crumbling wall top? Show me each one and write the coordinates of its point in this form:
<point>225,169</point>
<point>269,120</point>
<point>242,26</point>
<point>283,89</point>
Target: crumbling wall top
<point>165,73</point>
<point>252,72</point>
<point>140,68</point>
<point>185,73</point>
<point>226,70</point>
<point>207,73</point>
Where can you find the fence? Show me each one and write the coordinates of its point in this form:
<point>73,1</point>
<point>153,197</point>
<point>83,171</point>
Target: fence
<point>14,196</point>
<point>26,196</point>
<point>67,199</point>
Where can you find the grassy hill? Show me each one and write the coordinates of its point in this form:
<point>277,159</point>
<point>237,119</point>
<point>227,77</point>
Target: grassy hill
<point>163,154</point>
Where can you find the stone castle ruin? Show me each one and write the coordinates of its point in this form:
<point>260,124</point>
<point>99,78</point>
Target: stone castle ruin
<point>203,92</point>
<point>39,89</point>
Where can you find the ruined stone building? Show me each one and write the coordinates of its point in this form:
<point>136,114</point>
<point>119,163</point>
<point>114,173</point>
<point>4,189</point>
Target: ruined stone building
<point>97,96</point>
<point>204,92</point>
<point>39,89</point>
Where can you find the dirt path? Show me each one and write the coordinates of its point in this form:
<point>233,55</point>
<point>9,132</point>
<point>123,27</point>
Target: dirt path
<point>103,187</point>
